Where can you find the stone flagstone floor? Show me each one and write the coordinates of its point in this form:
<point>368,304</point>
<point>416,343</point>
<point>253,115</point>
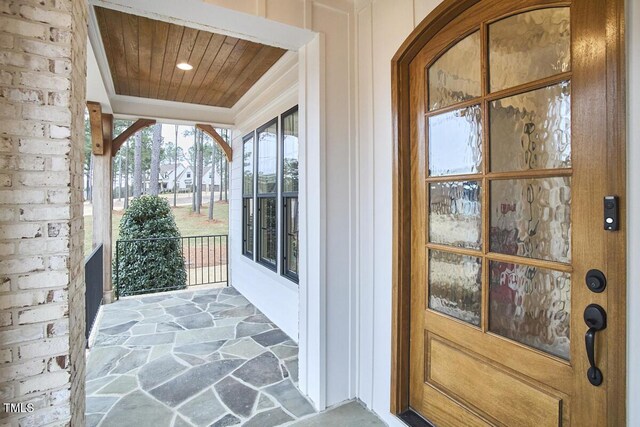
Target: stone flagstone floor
<point>191,358</point>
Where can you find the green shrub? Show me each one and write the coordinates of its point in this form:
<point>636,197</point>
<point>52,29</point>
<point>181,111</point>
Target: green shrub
<point>149,265</point>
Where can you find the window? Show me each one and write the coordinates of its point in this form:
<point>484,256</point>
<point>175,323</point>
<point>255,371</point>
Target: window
<point>247,195</point>
<point>270,195</point>
<point>188,174</point>
<point>267,153</point>
<point>290,144</point>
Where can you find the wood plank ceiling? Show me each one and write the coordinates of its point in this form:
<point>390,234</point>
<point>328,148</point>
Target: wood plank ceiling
<point>143,53</point>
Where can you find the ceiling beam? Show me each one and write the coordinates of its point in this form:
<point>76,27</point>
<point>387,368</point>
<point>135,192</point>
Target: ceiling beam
<point>213,133</point>
<point>97,135</point>
<point>128,132</point>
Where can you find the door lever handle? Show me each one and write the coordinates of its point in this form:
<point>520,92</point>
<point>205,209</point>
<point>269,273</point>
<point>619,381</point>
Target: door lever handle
<point>596,319</point>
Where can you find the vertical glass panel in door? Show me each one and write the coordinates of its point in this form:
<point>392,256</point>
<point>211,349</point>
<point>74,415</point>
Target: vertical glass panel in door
<point>529,46</point>
<point>455,283</point>
<point>531,305</point>
<point>290,153</point>
<point>455,142</point>
<point>455,76</point>
<point>267,159</point>
<point>455,213</point>
<point>532,218</point>
<point>532,130</point>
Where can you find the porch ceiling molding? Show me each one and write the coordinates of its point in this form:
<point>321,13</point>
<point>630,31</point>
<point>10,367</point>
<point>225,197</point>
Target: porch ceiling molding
<point>281,77</point>
<point>196,14</point>
<point>205,16</point>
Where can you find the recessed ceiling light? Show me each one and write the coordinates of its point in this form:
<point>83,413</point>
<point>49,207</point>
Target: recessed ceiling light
<point>184,66</point>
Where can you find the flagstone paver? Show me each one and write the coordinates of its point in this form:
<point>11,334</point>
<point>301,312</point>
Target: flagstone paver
<point>191,358</point>
<point>270,418</point>
<point>203,409</point>
<point>236,396</point>
<point>290,398</point>
<point>260,371</point>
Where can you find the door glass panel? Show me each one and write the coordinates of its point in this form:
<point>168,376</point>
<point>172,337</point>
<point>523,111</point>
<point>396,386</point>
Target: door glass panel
<point>455,76</point>
<point>455,213</point>
<point>455,285</point>
<point>532,130</point>
<point>531,218</point>
<point>455,142</point>
<point>531,305</point>
<point>529,46</point>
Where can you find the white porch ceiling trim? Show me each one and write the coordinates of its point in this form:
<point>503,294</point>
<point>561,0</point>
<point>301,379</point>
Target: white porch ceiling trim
<point>208,17</point>
<point>170,111</point>
<point>193,13</point>
<point>96,88</point>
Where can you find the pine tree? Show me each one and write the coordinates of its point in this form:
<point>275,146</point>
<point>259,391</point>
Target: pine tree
<point>155,159</point>
<point>137,166</point>
<point>200,167</point>
<point>194,170</point>
<point>213,174</point>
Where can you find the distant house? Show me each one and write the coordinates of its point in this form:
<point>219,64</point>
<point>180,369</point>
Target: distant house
<point>206,184</point>
<point>184,178</point>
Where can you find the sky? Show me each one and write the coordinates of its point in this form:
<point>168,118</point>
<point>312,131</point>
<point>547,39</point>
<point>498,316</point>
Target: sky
<point>169,135</point>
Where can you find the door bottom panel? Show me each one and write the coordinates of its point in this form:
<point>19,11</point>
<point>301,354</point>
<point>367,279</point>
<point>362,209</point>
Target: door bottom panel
<point>488,388</point>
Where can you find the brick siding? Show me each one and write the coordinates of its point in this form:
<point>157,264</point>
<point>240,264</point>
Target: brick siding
<point>42,101</point>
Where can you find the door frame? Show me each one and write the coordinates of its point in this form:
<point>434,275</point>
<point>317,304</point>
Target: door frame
<point>615,99</point>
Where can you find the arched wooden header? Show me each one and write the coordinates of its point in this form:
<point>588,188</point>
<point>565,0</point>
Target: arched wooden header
<point>95,114</point>
<point>213,133</point>
<point>135,127</point>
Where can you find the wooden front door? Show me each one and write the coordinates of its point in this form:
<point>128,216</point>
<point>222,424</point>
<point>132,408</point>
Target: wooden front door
<point>510,165</point>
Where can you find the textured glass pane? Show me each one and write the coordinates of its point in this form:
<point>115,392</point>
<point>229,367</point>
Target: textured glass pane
<point>455,76</point>
<point>531,218</point>
<point>455,213</point>
<point>267,163</point>
<point>290,153</point>
<point>531,305</point>
<point>455,142</point>
<point>292,235</point>
<point>247,167</point>
<point>529,46</point>
<point>268,235</point>
<point>455,284</point>
<point>532,130</point>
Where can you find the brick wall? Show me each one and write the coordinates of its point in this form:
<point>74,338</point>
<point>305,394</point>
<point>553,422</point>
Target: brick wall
<point>42,96</point>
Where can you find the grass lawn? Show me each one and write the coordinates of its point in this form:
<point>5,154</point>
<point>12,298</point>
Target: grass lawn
<point>189,223</point>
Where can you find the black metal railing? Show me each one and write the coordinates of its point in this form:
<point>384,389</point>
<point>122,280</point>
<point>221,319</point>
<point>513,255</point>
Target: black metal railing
<point>93,279</point>
<point>204,258</point>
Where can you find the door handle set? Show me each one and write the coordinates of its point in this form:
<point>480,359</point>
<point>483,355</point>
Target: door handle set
<point>596,319</point>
